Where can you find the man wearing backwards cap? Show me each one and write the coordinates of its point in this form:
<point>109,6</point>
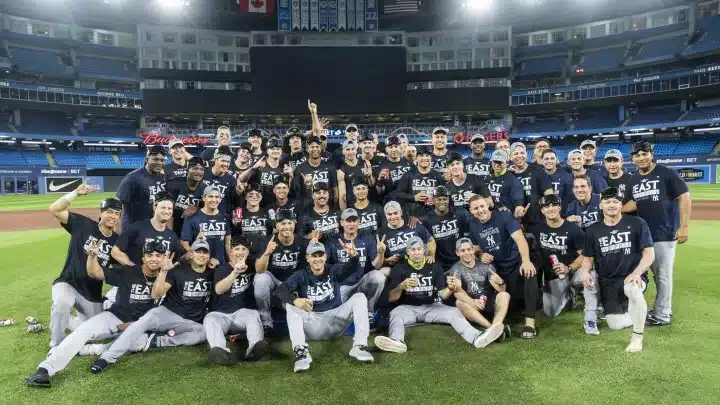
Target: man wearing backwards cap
<point>74,288</point>
<point>616,176</point>
<point>620,250</point>
<point>589,150</point>
<point>314,308</point>
<point>535,183</point>
<point>255,223</point>
<point>477,164</point>
<point>138,188</point>
<point>322,219</point>
<point>575,163</point>
<point>439,158</point>
<point>281,198</point>
<point>210,225</point>
<point>415,189</point>
<point>446,225</point>
<point>662,199</point>
<point>218,176</point>
<point>133,301</point>
<point>293,145</point>
<point>314,171</point>
<point>243,155</point>
<point>185,290</point>
<point>371,214</point>
<point>349,171</point>
<point>233,307</point>
<point>417,289</point>
<point>267,171</point>
<point>392,169</point>
<point>178,166</point>
<point>283,254</point>
<point>396,234</point>
<point>187,192</point>
<point>463,186</point>
<point>505,189</point>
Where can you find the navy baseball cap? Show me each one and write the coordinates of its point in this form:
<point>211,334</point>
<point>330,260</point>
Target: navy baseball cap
<point>293,131</point>
<point>153,246</point>
<point>453,157</point>
<point>240,240</point>
<point>196,161</point>
<point>255,132</point>
<point>641,146</point>
<point>274,143</point>
<point>163,196</point>
<point>314,139</point>
<point>284,214</point>
<point>157,150</point>
<point>442,191</point>
<point>424,150</point>
<point>223,151</point>
<point>366,137</point>
<point>611,192</point>
<point>550,199</point>
<point>282,179</point>
<point>110,203</point>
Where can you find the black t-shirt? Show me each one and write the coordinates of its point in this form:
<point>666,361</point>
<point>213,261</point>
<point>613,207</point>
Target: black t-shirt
<point>656,197</point>
<point>535,181</point>
<point>137,192</point>
<point>447,230</point>
<point>372,218</point>
<point>189,293</point>
<point>396,239</point>
<point>184,198</point>
<point>296,159</point>
<point>266,177</point>
<point>284,260</point>
<point>214,227</point>
<point>134,294</point>
<point>83,232</point>
<point>350,173</point>
<point>324,172</point>
<point>239,296</point>
<point>235,170</point>
<point>292,205</point>
<point>396,171</point>
<point>564,242</point>
<point>620,183</point>
<point>439,163</point>
<point>226,184</point>
<point>478,167</point>
<point>173,170</point>
<point>132,240</point>
<point>617,250</point>
<point>413,183</point>
<point>473,184</point>
<point>431,280</point>
<point>506,190</point>
<point>326,223</point>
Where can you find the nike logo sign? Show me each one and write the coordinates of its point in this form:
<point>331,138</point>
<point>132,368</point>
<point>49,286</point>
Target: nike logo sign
<point>56,187</point>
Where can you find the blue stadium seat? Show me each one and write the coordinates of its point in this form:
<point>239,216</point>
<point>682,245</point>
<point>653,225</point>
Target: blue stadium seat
<point>544,65</point>
<point>37,61</point>
<point>44,122</point>
<point>12,158</point>
<point>100,160</point>
<point>603,59</point>
<point>104,68</point>
<point>132,159</point>
<point>596,119</point>
<point>696,147</point>
<point>656,115</point>
<point>36,158</point>
<point>67,159</point>
<point>703,113</point>
<point>709,40</point>
<point>540,125</point>
<point>659,50</point>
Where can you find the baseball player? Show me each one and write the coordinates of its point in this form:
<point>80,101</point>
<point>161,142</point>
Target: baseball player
<point>281,198</point>
<point>662,199</point>
<point>243,154</point>
<point>267,171</point>
<point>321,218</point>
<point>351,134</point>
<point>314,307</point>
<point>185,290</point>
<point>415,186</point>
<point>73,288</point>
<point>505,189</point>
<point>561,180</point>
<point>589,151</point>
<point>348,171</point>
<point>294,148</point>
<point>463,186</point>
<point>575,163</point>
<point>233,308</point>
<point>439,153</point>
<point>178,166</point>
<point>417,288</point>
<point>137,189</point>
<point>477,164</point>
<point>411,154</point>
<point>584,209</point>
<point>223,138</point>
<point>368,147</point>
<point>621,250</point>
<point>503,145</point>
<point>616,176</point>
<point>187,192</point>
<point>255,223</point>
<point>133,301</point>
<point>446,226</point>
<point>396,234</point>
<point>217,175</point>
<point>392,169</point>
<point>540,145</point>
<point>255,137</point>
<point>212,225</point>
<point>313,171</point>
<point>535,183</point>
<point>371,214</point>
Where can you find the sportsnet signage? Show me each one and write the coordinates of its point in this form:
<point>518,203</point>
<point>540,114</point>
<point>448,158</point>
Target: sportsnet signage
<point>160,137</point>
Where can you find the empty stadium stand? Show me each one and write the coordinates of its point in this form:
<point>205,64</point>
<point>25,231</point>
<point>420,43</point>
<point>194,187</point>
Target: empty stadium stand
<point>657,50</point>
<point>596,119</point>
<point>703,113</point>
<point>710,37</point>
<point>654,115</point>
<point>40,61</point>
<point>132,159</point>
<point>602,59</point>
<point>538,66</point>
<point>105,68</point>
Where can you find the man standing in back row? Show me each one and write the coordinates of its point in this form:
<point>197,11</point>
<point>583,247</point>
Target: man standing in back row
<point>137,190</point>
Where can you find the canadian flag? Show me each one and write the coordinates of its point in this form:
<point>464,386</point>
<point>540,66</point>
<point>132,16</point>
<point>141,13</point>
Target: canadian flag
<point>257,6</point>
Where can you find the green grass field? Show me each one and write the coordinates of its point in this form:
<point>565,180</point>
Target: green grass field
<point>562,366</point>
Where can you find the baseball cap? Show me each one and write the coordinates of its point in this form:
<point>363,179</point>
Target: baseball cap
<point>254,132</point>
<point>392,206</point>
<point>463,241</point>
<point>414,241</point>
<point>439,130</point>
<point>315,247</point>
<point>349,213</point>
<point>293,131</point>
<point>247,146</point>
<point>282,179</point>
<point>516,145</point>
<point>392,141</point>
<point>320,186</point>
<point>613,153</point>
<point>366,137</point>
<point>549,199</point>
<point>477,137</point>
<point>442,191</point>
<point>240,240</point>
<point>153,246</point>
<point>574,152</point>
<point>453,157</point>
<point>253,187</point>
<point>200,244</point>
<point>350,145</point>
<point>156,150</point>
<point>175,141</point>
<point>196,161</point>
<point>211,189</point>
<point>274,143</point>
<point>163,196</point>
<point>611,192</point>
<point>284,214</point>
<point>588,142</point>
<point>350,127</point>
<point>359,181</point>
<point>314,139</point>
<point>424,150</point>
<point>641,146</point>
<point>223,152</point>
<point>110,203</point>
<point>499,155</point>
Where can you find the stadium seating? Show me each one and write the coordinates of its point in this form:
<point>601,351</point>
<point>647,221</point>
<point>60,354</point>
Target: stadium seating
<point>603,59</point>
<point>88,159</point>
<point>544,65</point>
<point>540,125</point>
<point>102,68</point>
<point>695,147</point>
<point>709,40</point>
<point>703,113</point>
<point>11,158</point>
<point>655,115</point>
<point>132,159</point>
<point>659,50</point>
<point>44,122</point>
<point>596,119</point>
<point>110,128</point>
<point>37,61</point>
<point>36,158</point>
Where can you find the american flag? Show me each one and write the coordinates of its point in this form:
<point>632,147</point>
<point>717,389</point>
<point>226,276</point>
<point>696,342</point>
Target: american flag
<point>401,6</point>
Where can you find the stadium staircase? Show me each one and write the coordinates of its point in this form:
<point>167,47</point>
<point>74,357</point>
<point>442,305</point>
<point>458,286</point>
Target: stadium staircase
<point>116,158</point>
<point>51,159</point>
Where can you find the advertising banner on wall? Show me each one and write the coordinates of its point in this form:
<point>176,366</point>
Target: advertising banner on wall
<point>61,185</point>
<point>699,174</point>
<point>97,183</point>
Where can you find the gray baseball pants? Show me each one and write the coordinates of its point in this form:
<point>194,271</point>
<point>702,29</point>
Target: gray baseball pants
<point>591,295</point>
<point>263,287</point>
<point>64,299</point>
<point>218,324</point>
<point>158,319</point>
<point>371,284</point>
<point>329,324</point>
<point>407,315</point>
<point>556,296</point>
<point>662,269</point>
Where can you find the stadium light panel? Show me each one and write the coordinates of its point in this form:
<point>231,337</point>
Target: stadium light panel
<point>172,5</point>
<point>478,5</point>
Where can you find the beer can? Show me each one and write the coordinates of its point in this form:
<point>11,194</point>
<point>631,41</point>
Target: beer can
<point>483,298</point>
<point>31,320</point>
<point>35,328</point>
<point>170,333</point>
<point>553,261</point>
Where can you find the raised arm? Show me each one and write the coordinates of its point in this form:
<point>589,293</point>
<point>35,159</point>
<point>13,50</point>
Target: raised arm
<point>94,270</point>
<point>59,208</point>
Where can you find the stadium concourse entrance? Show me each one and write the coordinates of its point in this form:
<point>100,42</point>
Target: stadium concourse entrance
<point>15,184</point>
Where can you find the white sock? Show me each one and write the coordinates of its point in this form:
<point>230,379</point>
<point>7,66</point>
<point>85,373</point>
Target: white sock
<point>636,343</point>
<point>637,308</point>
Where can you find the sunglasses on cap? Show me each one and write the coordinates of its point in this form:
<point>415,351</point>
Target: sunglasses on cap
<point>478,140</point>
<point>196,161</point>
<point>611,192</point>
<point>351,129</point>
<point>641,146</point>
<point>548,200</point>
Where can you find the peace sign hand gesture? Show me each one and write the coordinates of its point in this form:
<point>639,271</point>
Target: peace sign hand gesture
<point>167,263</point>
<point>349,248</point>
<point>381,246</point>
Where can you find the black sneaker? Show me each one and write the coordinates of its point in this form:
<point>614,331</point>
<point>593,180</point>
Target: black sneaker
<point>653,321</point>
<point>256,351</point>
<point>373,324</point>
<point>268,331</point>
<point>221,356</point>
<point>98,366</point>
<point>506,335</point>
<point>41,379</point>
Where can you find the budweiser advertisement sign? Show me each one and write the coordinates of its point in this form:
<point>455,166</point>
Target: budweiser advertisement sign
<point>160,137</point>
<point>460,137</point>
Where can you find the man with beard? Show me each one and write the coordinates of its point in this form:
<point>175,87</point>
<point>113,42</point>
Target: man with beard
<point>314,171</point>
<point>396,234</point>
<point>315,310</point>
<point>392,169</point>
<point>589,150</point>
<point>616,176</point>
<point>348,171</point>
<point>266,171</point>
<point>539,147</point>
<point>561,180</point>
<point>415,187</point>
<point>371,255</point>
<point>417,290</point>
<point>74,288</point>
<point>502,243</point>
<point>563,239</point>
<point>535,183</point>
<point>256,224</point>
<point>575,163</point>
<point>282,256</point>
<point>660,197</point>
<point>218,176</point>
<point>584,209</point>
<point>223,138</point>
<point>185,290</point>
<point>233,308</point>
<point>178,166</point>
<point>187,192</point>
<point>477,164</point>
<point>368,153</point>
<point>446,226</point>
<point>293,145</point>
<point>242,159</point>
<point>321,220</point>
<point>620,249</point>
<point>464,186</point>
<point>371,214</point>
<point>281,200</point>
<point>137,190</point>
<point>411,154</point>
<point>133,301</point>
<point>210,225</point>
<point>505,189</point>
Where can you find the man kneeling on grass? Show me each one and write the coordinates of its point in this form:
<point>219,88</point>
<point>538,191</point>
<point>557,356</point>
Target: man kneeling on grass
<point>314,307</point>
<point>418,288</point>
<point>479,292</point>
<point>186,288</point>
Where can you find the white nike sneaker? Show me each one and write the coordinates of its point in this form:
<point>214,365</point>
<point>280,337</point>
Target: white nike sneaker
<point>361,353</point>
<point>591,328</point>
<point>490,335</point>
<point>93,349</point>
<point>302,359</point>
<point>390,345</point>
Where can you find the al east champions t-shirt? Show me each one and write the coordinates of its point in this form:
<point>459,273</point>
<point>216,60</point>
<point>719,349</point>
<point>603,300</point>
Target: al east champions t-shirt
<point>184,197</point>
<point>446,230</point>
<point>239,296</point>
<point>83,232</point>
<point>413,183</point>
<point>396,239</point>
<point>324,172</point>
<point>134,295</point>
<point>494,237</point>
<point>326,223</point>
<point>284,260</point>
<point>564,242</point>
<point>189,292</point>
<point>366,249</point>
<point>137,192</point>
<point>506,191</point>
<point>132,240</point>
<point>431,280</point>
<point>472,184</point>
<point>214,227</point>
<point>617,250</point>
<point>323,290</point>
<point>226,184</point>
<point>478,167</point>
<point>371,218</point>
<point>589,214</point>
